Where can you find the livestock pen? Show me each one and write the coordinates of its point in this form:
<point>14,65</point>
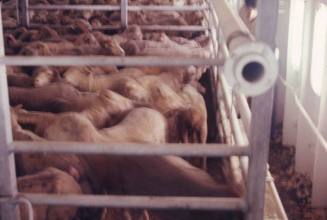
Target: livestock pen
<point>237,60</point>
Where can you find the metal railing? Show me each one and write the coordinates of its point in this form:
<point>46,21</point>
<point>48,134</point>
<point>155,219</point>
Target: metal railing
<point>235,34</point>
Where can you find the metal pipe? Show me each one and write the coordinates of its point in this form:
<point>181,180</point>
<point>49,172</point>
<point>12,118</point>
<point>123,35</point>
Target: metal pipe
<point>184,28</point>
<point>271,184</point>
<point>219,150</point>
<point>117,7</point>
<point>28,204</point>
<point>212,30</point>
<point>244,110</point>
<point>233,28</point>
<point>103,27</point>
<point>237,131</point>
<point>262,107</point>
<point>124,13</point>
<point>240,98</point>
<point>152,202</point>
<point>23,12</point>
<point>76,7</point>
<point>8,184</point>
<point>191,28</point>
<point>252,67</point>
<point>105,60</point>
<point>237,174</point>
<point>19,200</point>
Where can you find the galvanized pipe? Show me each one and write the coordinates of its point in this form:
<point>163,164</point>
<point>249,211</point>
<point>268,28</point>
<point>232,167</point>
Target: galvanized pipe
<point>271,184</point>
<point>16,201</point>
<point>76,7</point>
<point>117,7</point>
<point>124,13</point>
<point>237,173</point>
<point>244,110</point>
<point>152,202</point>
<point>192,28</point>
<point>218,150</point>
<point>23,13</point>
<point>212,29</point>
<point>233,28</point>
<point>103,27</point>
<point>252,67</point>
<point>238,135</point>
<point>105,61</point>
<point>184,28</point>
<point>8,183</point>
<point>28,204</point>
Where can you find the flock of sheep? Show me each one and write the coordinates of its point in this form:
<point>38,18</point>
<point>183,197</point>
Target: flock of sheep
<point>110,104</point>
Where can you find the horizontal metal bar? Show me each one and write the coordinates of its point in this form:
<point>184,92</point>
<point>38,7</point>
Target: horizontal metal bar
<point>105,60</point>
<point>152,202</point>
<point>186,28</point>
<point>103,27</point>
<point>174,27</point>
<point>75,7</point>
<point>117,7</point>
<point>218,150</point>
<point>167,7</point>
<point>191,28</point>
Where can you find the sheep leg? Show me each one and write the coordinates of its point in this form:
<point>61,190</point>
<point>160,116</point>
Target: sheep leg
<point>34,118</point>
<point>22,134</point>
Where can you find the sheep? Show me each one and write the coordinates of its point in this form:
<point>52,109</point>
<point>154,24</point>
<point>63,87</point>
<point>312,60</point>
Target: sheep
<point>61,97</point>
<point>56,97</point>
<point>164,47</point>
<point>28,164</point>
<point>109,108</point>
<point>88,81</point>
<point>45,75</point>
<point>181,104</point>
<point>197,115</point>
<point>50,180</point>
<point>124,214</point>
<point>19,79</point>
<point>133,32</point>
<point>80,127</point>
<point>135,175</point>
<point>47,49</point>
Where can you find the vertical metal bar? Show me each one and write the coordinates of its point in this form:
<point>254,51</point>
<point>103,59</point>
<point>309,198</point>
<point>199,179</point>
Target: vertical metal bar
<point>23,13</point>
<point>17,12</point>
<point>8,184</point>
<point>124,13</point>
<point>261,118</point>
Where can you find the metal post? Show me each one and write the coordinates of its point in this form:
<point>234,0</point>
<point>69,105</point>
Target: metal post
<point>17,11</point>
<point>261,118</point>
<point>8,184</point>
<point>124,13</point>
<point>23,13</point>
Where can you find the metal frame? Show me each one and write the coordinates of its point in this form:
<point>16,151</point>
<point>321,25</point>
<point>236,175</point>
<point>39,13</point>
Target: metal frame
<point>259,129</point>
<point>124,8</point>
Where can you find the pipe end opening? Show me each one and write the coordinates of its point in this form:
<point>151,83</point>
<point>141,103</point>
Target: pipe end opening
<point>253,72</point>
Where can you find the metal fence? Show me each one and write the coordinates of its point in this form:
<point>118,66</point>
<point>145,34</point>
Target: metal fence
<point>228,34</point>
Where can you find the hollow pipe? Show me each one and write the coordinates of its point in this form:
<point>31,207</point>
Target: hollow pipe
<point>218,150</point>
<point>252,66</point>
<point>153,202</point>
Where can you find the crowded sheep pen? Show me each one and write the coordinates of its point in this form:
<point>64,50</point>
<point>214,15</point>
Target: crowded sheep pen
<point>123,110</point>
